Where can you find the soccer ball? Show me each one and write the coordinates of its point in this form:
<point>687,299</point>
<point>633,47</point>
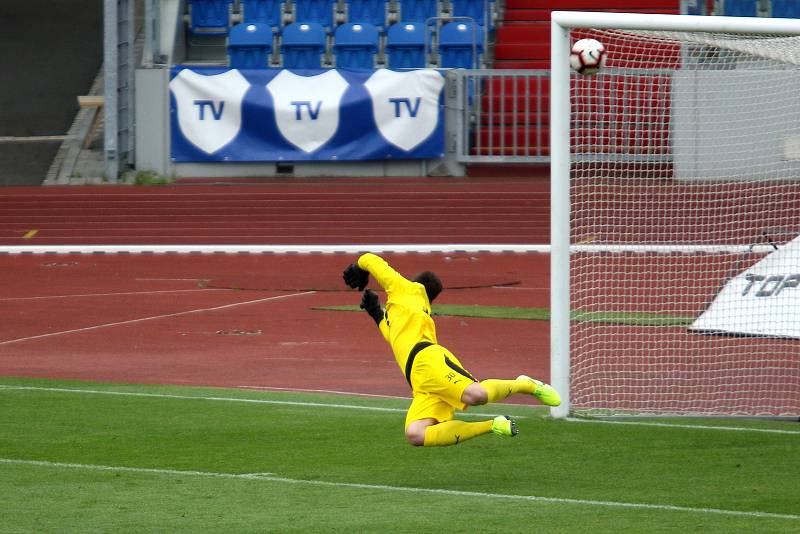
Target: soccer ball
<point>587,56</point>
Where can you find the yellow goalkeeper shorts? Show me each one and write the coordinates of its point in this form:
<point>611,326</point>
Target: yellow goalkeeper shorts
<point>438,380</point>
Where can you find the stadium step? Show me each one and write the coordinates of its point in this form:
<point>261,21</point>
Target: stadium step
<point>523,42</point>
<point>498,102</point>
<point>522,50</point>
<point>530,64</point>
<point>517,85</point>
<point>519,136</point>
<point>509,151</point>
<point>511,118</point>
<point>522,32</point>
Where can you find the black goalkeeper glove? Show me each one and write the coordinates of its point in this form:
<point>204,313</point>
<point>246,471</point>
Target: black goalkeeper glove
<point>355,277</point>
<point>371,303</point>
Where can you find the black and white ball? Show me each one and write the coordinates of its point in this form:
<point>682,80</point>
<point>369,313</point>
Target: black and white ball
<point>587,56</point>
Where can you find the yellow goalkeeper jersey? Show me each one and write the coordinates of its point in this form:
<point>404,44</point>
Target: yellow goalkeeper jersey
<point>407,319</point>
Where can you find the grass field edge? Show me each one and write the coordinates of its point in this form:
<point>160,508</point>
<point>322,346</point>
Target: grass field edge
<point>356,401</point>
<point>404,489</point>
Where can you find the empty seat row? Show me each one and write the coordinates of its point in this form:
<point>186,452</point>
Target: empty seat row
<point>216,16</point>
<point>356,46</point>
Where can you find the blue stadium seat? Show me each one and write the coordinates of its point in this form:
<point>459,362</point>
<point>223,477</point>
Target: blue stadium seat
<point>371,11</point>
<point>460,45</point>
<point>355,45</point>
<point>319,11</point>
<point>479,11</point>
<point>405,46</point>
<point>739,8</point>
<point>249,45</point>
<point>269,12</point>
<point>418,10</point>
<point>209,16</point>
<point>788,9</point>
<point>303,45</point>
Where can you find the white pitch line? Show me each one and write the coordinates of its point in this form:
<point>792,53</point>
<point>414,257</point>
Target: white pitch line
<point>327,391</point>
<point>255,477</point>
<point>229,399</point>
<point>677,425</point>
<point>195,397</point>
<point>142,319</point>
<point>369,408</point>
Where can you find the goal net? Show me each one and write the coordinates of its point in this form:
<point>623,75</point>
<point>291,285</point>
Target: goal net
<point>679,224</point>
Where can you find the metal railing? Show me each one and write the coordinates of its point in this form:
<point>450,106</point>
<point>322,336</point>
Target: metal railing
<point>500,115</point>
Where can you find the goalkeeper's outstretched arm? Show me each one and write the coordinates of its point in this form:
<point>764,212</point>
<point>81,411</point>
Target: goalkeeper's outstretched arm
<point>384,274</point>
<point>356,275</point>
<point>372,305</point>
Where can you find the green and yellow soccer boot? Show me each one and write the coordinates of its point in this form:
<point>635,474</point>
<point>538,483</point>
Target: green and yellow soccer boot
<point>502,425</point>
<point>546,393</point>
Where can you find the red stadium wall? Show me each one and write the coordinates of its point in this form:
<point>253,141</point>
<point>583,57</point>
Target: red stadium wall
<point>523,42</point>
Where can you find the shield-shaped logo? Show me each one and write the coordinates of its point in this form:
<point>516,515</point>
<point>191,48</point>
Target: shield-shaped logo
<point>307,107</point>
<point>405,104</point>
<point>209,107</point>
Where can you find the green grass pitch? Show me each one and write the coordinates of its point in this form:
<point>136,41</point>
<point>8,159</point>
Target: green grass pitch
<point>543,314</point>
<point>92,457</point>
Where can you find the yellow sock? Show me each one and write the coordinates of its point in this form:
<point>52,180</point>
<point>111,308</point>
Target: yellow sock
<point>500,389</point>
<point>454,432</point>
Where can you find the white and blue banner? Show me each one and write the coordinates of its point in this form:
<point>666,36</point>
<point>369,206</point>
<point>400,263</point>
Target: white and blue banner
<point>221,115</point>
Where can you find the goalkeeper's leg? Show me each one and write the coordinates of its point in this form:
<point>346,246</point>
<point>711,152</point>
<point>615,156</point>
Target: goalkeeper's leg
<point>493,390</point>
<point>429,433</point>
<point>430,422</point>
<point>448,373</point>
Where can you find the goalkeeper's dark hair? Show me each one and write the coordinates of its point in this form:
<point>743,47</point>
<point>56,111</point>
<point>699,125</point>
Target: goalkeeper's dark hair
<point>431,282</point>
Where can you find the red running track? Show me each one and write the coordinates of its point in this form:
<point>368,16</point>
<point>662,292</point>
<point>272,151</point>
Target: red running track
<point>144,318</point>
<point>283,212</point>
<point>138,318</point>
<point>158,319</point>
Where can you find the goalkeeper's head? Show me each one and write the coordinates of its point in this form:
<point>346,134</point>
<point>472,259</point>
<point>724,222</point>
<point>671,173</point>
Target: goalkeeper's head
<point>431,282</point>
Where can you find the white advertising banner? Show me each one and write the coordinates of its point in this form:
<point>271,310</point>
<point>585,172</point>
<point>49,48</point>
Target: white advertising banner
<point>307,107</point>
<point>763,300</point>
<point>251,115</point>
<point>202,99</point>
<point>405,104</point>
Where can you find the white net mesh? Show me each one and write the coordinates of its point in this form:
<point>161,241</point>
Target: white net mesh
<point>685,152</point>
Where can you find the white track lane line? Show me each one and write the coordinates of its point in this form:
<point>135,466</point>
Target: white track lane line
<point>256,477</point>
<point>151,318</point>
<point>269,249</point>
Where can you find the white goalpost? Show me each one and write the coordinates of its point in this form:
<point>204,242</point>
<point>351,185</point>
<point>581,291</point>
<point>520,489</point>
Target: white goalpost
<point>675,216</point>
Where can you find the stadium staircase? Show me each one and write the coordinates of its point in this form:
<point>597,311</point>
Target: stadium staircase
<point>523,42</point>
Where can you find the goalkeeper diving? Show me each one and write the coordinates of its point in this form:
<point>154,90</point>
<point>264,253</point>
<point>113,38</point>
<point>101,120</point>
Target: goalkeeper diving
<point>439,383</point>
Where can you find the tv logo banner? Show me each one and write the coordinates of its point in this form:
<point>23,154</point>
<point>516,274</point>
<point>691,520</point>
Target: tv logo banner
<point>763,300</point>
<point>313,115</point>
